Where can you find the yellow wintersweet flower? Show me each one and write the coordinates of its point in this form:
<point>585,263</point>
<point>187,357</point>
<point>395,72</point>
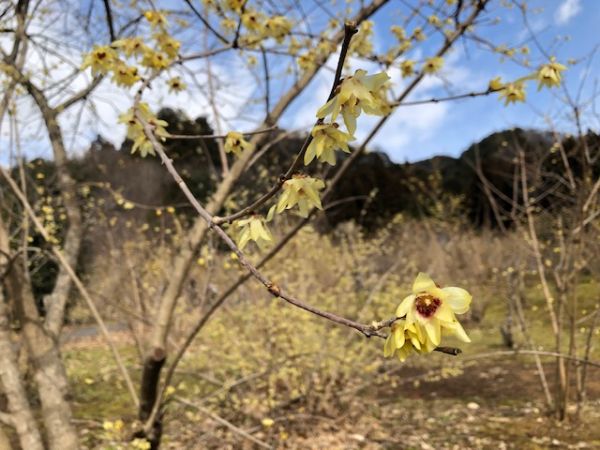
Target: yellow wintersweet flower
<point>119,425</point>
<point>278,27</point>
<point>433,64</point>
<point>252,229</point>
<point>496,84</point>
<point>267,422</point>
<point>101,59</point>
<point>306,61</point>
<point>125,75</point>
<point>155,60</point>
<point>355,94</point>
<point>176,85</point>
<point>167,44</point>
<point>253,21</point>
<point>325,47</point>
<point>156,18</point>
<point>431,310</point>
<point>434,20</point>
<point>229,25</point>
<point>418,34</point>
<point>130,46</point>
<point>235,5</point>
<point>135,130</point>
<point>399,32</point>
<point>235,143</point>
<point>141,444</point>
<point>294,46</point>
<point>362,44</point>
<point>402,341</point>
<point>404,47</point>
<point>407,67</point>
<point>327,138</point>
<point>513,93</point>
<point>300,190</point>
<point>549,75</point>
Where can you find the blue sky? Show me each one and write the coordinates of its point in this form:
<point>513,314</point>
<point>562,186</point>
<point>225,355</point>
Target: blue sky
<point>565,28</point>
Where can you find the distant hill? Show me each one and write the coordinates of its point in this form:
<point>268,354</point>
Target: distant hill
<point>374,190</point>
<point>418,188</point>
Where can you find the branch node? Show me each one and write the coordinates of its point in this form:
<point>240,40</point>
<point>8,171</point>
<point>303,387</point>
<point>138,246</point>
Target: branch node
<point>350,28</point>
<point>274,289</point>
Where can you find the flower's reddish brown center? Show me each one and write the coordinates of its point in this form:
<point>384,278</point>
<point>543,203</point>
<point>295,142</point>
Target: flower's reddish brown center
<point>427,304</point>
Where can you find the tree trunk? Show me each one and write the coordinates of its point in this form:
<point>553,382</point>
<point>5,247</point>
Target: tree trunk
<point>49,372</point>
<point>4,441</point>
<point>12,387</point>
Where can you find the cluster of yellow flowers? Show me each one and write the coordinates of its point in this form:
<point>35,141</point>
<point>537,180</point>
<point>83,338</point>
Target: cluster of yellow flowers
<point>315,55</point>
<point>50,223</point>
<point>548,75</point>
<point>424,316</point>
<point>362,44</point>
<point>256,26</point>
<point>300,190</point>
<point>106,58</point>
<point>114,432</point>
<point>355,94</point>
<point>135,129</point>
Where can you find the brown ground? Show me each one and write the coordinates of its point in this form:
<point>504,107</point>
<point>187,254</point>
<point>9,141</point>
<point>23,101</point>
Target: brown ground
<point>491,405</point>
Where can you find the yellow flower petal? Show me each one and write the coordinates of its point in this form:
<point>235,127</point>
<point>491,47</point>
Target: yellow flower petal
<point>326,109</point>
<point>433,330</point>
<point>457,329</point>
<point>423,283</point>
<point>388,348</point>
<point>398,336</point>
<point>444,313</point>
<point>458,299</point>
<point>405,306</point>
<point>349,120</point>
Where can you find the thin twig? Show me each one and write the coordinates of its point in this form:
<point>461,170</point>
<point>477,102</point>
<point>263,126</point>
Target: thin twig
<point>109,19</point>
<point>206,23</point>
<point>224,422</point>
<point>218,136</point>
<point>449,98</point>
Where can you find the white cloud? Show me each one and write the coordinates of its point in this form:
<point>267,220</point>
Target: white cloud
<point>566,11</point>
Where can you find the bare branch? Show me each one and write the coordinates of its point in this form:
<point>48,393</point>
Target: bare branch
<point>206,23</point>
<point>109,19</point>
